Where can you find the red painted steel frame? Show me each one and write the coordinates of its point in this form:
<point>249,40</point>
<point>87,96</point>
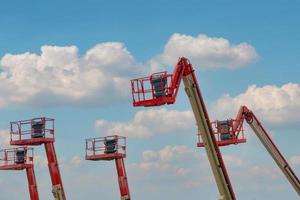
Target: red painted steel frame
<point>22,133</point>
<point>95,151</point>
<point>32,185</point>
<point>143,92</point>
<point>8,161</point>
<point>8,158</point>
<point>95,148</point>
<point>236,136</point>
<point>54,169</point>
<point>122,178</point>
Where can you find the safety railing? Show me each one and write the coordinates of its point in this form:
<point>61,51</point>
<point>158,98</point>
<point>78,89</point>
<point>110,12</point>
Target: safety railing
<point>153,90</point>
<point>32,129</point>
<point>105,147</point>
<point>16,156</point>
<point>224,133</point>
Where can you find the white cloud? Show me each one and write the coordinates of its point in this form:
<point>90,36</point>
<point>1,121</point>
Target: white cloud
<point>168,159</point>
<point>272,104</point>
<point>262,171</point>
<point>147,123</point>
<point>171,154</point>
<point>295,160</point>
<point>232,160</point>
<point>206,52</point>
<point>76,161</point>
<point>59,75</point>
<point>41,162</point>
<point>159,167</point>
<point>4,139</point>
<point>186,166</point>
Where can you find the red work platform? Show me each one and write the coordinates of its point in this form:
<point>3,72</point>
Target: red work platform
<point>154,90</point>
<point>19,158</point>
<point>34,131</point>
<point>225,134</point>
<point>110,148</point>
<point>105,148</point>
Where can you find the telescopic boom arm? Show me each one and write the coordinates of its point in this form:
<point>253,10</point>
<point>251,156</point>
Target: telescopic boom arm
<point>201,115</point>
<point>247,115</point>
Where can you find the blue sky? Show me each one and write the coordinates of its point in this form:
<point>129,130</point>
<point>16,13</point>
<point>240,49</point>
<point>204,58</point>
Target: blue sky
<point>261,49</point>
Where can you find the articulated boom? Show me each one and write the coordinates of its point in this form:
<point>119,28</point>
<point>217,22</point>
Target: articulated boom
<point>162,88</point>
<point>265,139</point>
<point>247,115</point>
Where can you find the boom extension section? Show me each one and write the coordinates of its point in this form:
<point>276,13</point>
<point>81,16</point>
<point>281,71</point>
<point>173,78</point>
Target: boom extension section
<point>162,88</point>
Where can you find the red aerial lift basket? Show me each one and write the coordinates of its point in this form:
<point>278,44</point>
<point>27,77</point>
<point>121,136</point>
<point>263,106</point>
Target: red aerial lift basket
<point>34,131</point>
<point>16,158</point>
<point>224,133</point>
<point>154,90</point>
<point>105,148</point>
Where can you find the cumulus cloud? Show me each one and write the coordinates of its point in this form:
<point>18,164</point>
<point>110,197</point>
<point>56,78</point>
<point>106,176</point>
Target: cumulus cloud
<point>206,52</point>
<point>59,75</point>
<point>147,123</point>
<point>171,154</point>
<point>273,104</point>
<point>168,159</point>
<point>182,164</point>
